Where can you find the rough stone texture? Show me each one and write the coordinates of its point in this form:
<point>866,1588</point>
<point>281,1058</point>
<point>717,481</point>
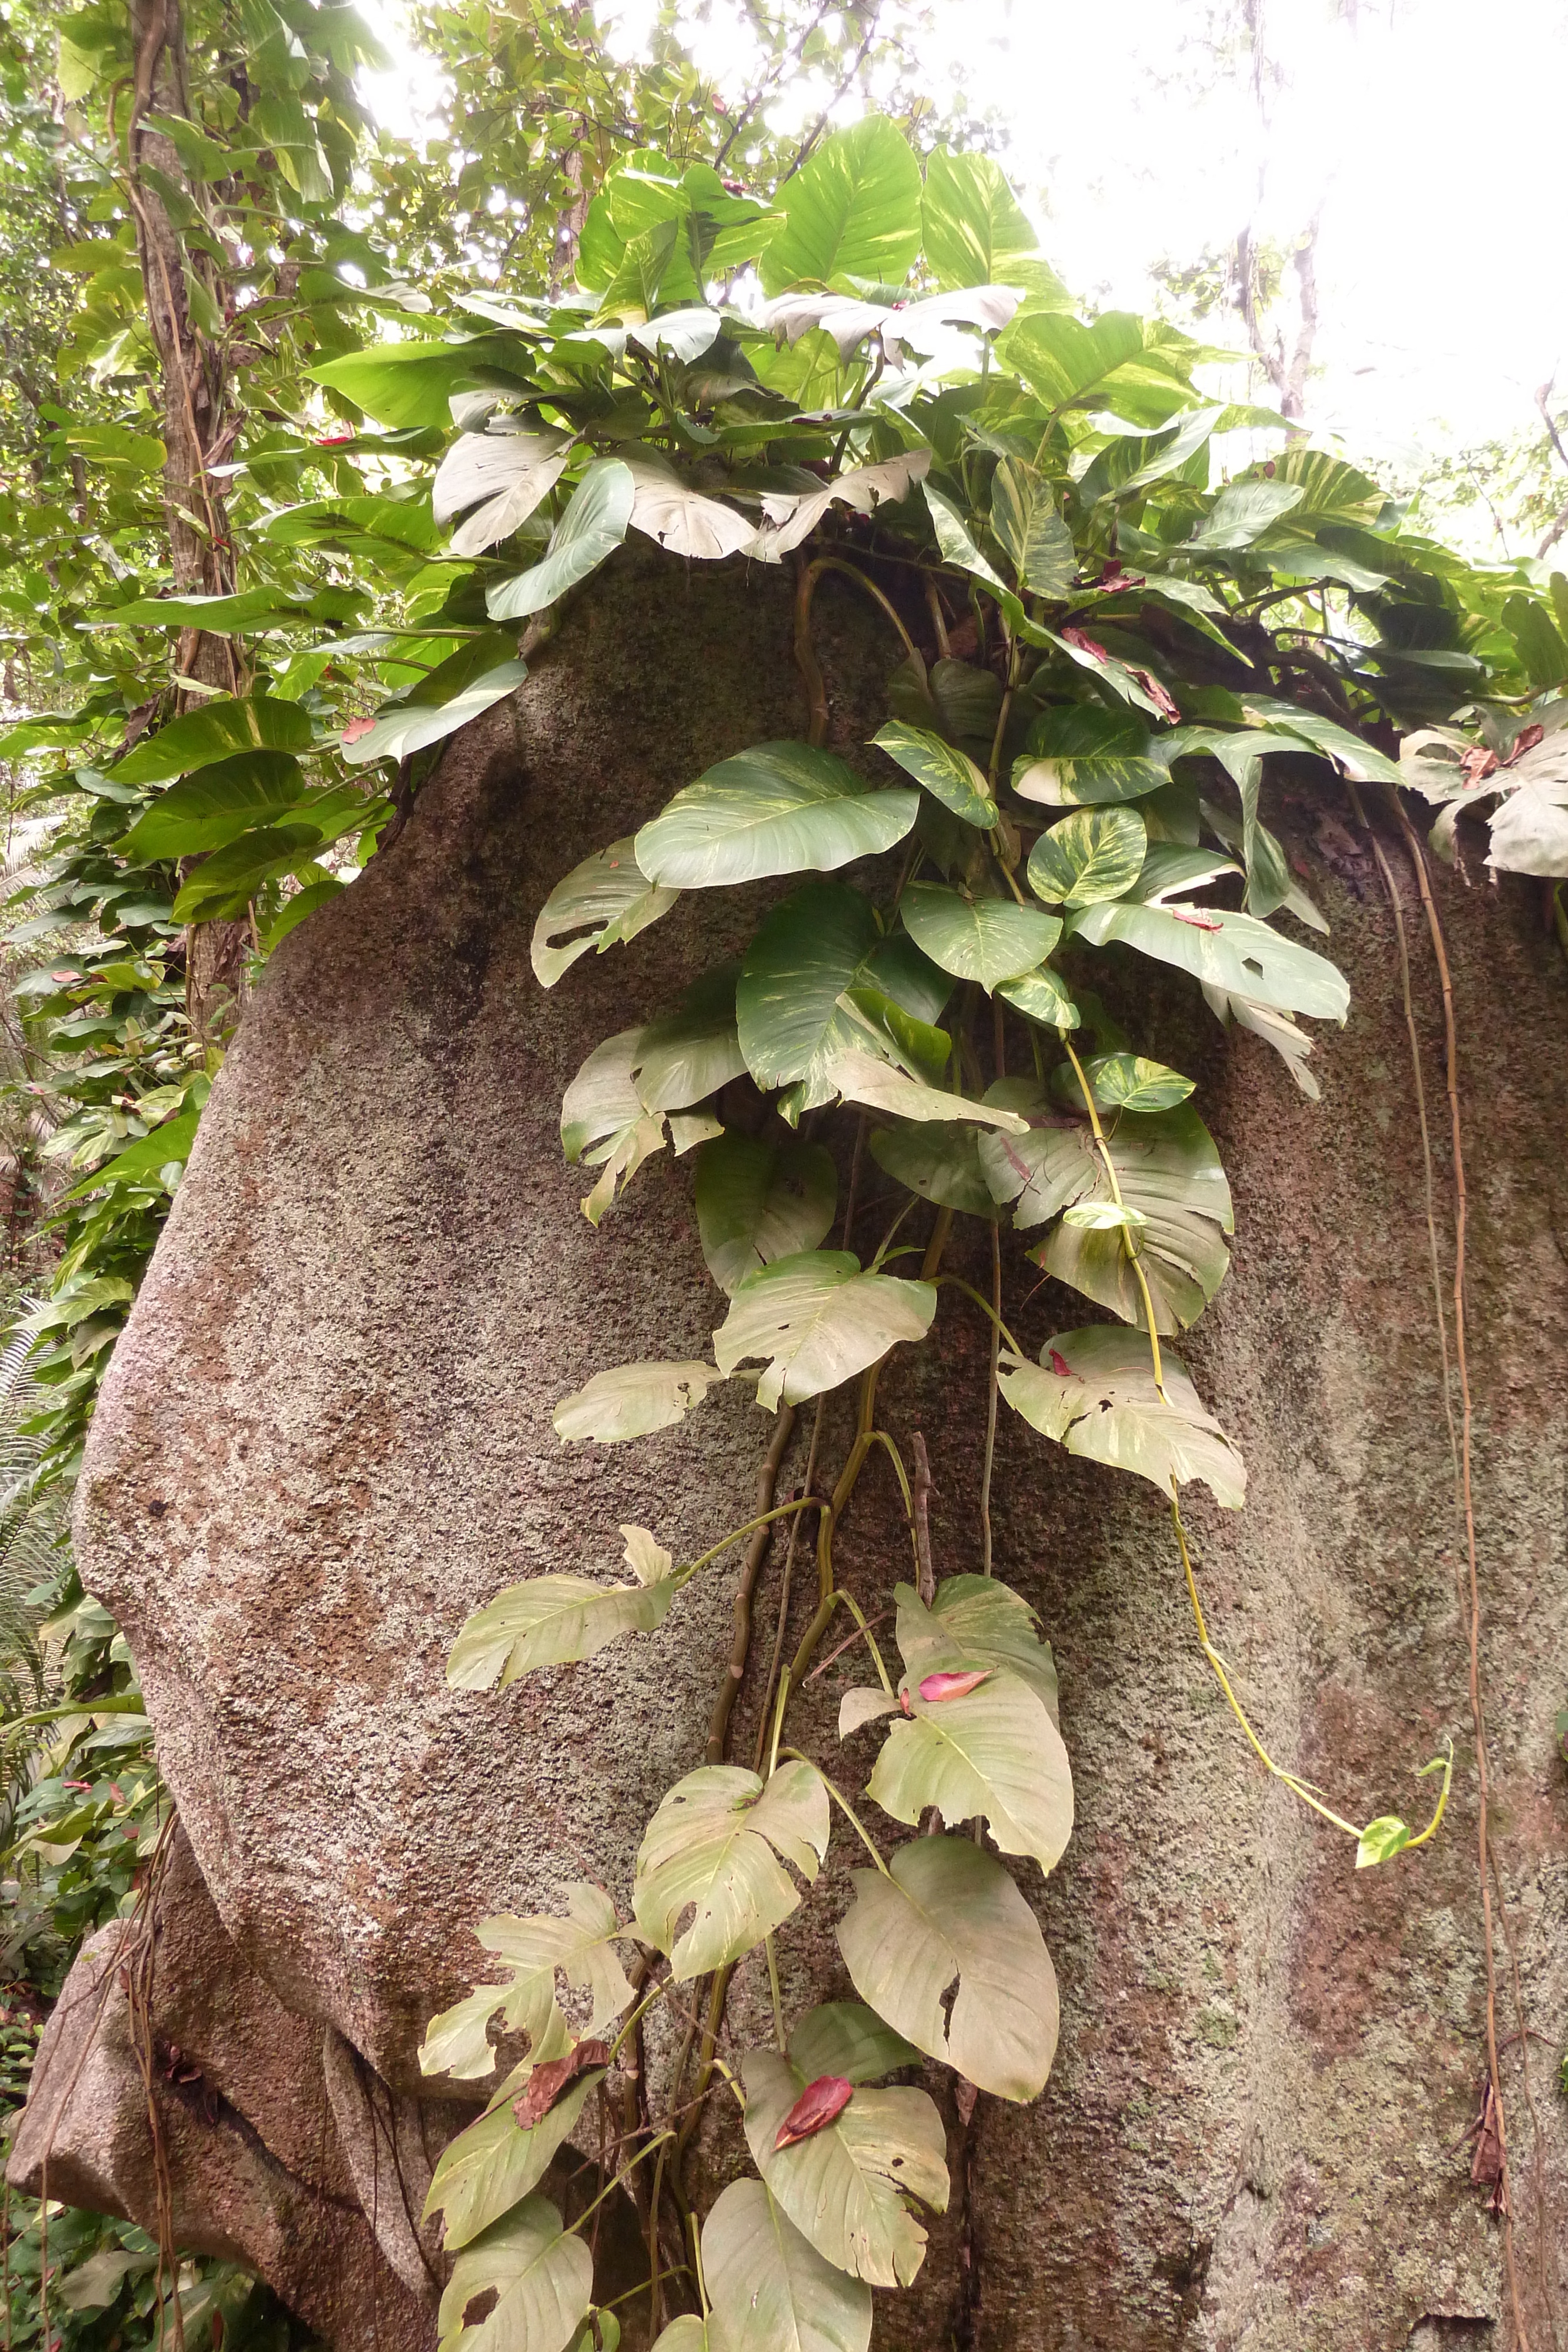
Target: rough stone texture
<point>255,2169</point>
<point>327,1437</point>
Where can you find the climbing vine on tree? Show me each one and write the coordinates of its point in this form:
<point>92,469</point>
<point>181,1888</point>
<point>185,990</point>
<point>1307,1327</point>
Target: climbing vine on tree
<point>1115,623</point>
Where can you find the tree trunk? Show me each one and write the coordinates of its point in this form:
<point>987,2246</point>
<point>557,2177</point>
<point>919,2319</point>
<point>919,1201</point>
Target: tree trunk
<point>326,1437</point>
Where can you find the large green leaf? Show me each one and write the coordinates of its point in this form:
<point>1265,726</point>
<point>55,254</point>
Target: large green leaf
<point>846,2187</point>
<point>818,1320</point>
<point>503,474</point>
<point>553,1621</point>
<point>1169,1176</point>
<point>1037,542</point>
<point>975,1621</point>
<point>810,951</point>
<point>757,1202</point>
<point>494,2163</point>
<point>1231,951</point>
<point>203,812</point>
<point>1067,363</point>
<point>944,771</point>
<point>719,1843</point>
<point>591,529</point>
<point>846,2038</point>
<point>949,1913</point>
<point>1081,754</point>
<point>853,212</point>
<point>215,733</point>
<point>778,808</point>
<point>1094,854</point>
<point>632,1400</point>
<point>409,727</point>
<point>600,904</point>
<point>581,1946</point>
<point>1095,1392</point>
<point>1242,512</point>
<point>941,1162</point>
<point>769,2288</point>
<point>866,1078</point>
<point>543,2281</point>
<point>684,1057</point>
<point>975,233</point>
<point>602,1099</point>
<point>401,384</point>
<point>667,507</point>
<point>994,1750</point>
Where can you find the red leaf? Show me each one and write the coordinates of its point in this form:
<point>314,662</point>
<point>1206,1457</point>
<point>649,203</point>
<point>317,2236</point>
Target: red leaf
<point>1525,741</point>
<point>1085,645</point>
<point>356,728</point>
<point>1200,922</point>
<point>1061,1367</point>
<point>814,2110</point>
<point>1159,695</point>
<point>941,1686</point>
<point>546,2082</point>
<point>334,440</point>
<point>1478,765</point>
<point>1114,581</point>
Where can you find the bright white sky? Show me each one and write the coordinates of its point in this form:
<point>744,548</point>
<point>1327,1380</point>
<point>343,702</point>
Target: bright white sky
<point>1428,130</point>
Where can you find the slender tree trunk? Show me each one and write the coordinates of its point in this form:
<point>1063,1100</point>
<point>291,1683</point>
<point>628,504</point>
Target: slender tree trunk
<point>198,428</point>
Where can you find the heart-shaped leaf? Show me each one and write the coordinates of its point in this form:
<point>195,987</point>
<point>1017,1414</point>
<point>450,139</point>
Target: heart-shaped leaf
<point>1081,754</point>
<point>1040,997</point>
<point>949,1912</point>
<point>550,1621</point>
<point>666,508</point>
<point>716,1842</point>
<point>581,1946</point>
<point>1128,1082</point>
<point>591,529</point>
<point>603,902</point>
<point>987,940</point>
<point>1232,952</point>
<point>1095,853</point>
<point>770,2290</point>
<point>989,1749</point>
<point>818,1320</point>
<point>843,2182</point>
<point>684,1057</point>
<point>511,471</point>
<point>974,1621</point>
<point>853,213</point>
<point>759,1202</point>
<point>1093,1390</point>
<point>778,808</point>
<point>819,946</point>
<point>409,727</point>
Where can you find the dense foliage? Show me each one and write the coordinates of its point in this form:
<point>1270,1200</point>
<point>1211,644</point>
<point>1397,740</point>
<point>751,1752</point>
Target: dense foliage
<point>327,435</point>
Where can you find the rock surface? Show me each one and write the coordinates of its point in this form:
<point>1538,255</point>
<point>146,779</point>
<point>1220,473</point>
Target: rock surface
<point>327,1437</point>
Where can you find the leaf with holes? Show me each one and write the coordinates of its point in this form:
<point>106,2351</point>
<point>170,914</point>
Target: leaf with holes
<point>757,1202</point>
<point>543,2280</point>
<point>770,2290</point>
<point>941,1162</point>
<point>948,1911</point>
<point>992,1750</point>
<point>581,1946</point>
<point>602,903</point>
<point>847,2184</point>
<point>719,1843</point>
<point>494,2163</point>
<point>632,1400</point>
<point>818,1320</point>
<point>948,774</point>
<point>1095,1392</point>
<point>1235,953</point>
<point>1095,853</point>
<point>987,940</point>
<point>778,808</point>
<point>811,951</point>
<point>591,529</point>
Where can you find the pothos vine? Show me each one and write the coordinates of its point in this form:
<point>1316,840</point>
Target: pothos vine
<point>1050,801</point>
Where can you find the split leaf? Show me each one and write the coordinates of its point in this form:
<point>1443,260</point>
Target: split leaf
<point>716,1842</point>
<point>818,1320</point>
<point>846,2182</point>
<point>1093,1390</point>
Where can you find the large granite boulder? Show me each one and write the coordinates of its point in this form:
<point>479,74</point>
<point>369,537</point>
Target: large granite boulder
<point>326,1438</point>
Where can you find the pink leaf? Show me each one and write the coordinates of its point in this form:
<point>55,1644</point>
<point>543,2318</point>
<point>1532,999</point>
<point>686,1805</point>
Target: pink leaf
<point>1525,741</point>
<point>1061,1367</point>
<point>940,1686</point>
<point>1085,645</point>
<point>1165,703</point>
<point>356,728</point>
<point>546,2082</point>
<point>818,2104</point>
<point>1200,922</point>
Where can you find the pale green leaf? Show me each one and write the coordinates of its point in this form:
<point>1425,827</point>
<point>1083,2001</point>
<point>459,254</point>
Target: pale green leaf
<point>954,539</point>
<point>1037,543</point>
<point>1102,1402</point>
<point>1040,997</point>
<point>581,1946</point>
<point>943,770</point>
<point>602,903</point>
<point>1232,952</point>
<point>632,1400</point>
<point>975,1621</point>
<point>684,1057</point>
<point>1381,1840</point>
<point>778,808</point>
<point>407,727</point>
<point>757,1202</point>
<point>846,2187</point>
<point>665,507</point>
<point>994,1751</point>
<point>975,231</point>
<point>820,946</point>
<point>818,1320</point>
<point>948,1913</point>
<point>853,212</point>
<point>864,1078</point>
<point>494,2164</point>
<point>543,2278</point>
<point>504,474</point>
<point>987,940</point>
<point>844,2038</point>
<point>769,2288</point>
<point>591,529</point>
<point>1242,512</point>
<point>941,1162</point>
<point>719,1843</point>
<point>1128,1082</point>
<point>550,1621</point>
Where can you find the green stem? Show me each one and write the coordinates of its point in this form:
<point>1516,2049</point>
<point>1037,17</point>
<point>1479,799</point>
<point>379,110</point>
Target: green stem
<point>852,1605</point>
<point>624,2174</point>
<point>836,563</point>
<point>957,1282</point>
<point>839,1798</point>
<point>781,1511</point>
<point>773,1989</point>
